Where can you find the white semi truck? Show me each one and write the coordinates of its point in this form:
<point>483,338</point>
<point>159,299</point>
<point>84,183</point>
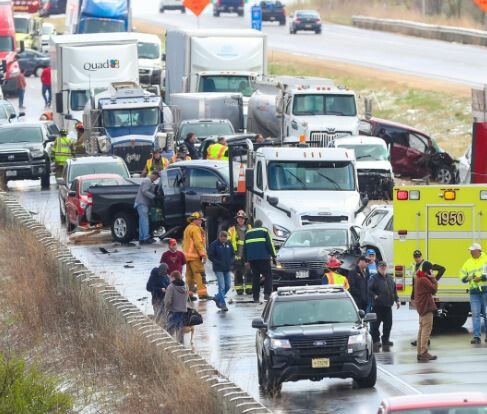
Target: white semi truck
<point>313,108</point>
<point>214,61</point>
<point>85,65</point>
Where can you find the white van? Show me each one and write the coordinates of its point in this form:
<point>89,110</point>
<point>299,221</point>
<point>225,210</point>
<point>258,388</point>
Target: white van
<point>150,59</point>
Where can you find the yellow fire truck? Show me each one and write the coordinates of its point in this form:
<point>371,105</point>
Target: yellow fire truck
<point>441,221</point>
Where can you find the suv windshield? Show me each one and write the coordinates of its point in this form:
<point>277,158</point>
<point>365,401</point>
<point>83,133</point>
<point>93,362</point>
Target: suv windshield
<point>368,152</point>
<point>311,175</point>
<point>23,134</point>
<point>317,238</point>
<point>205,129</point>
<point>314,311</point>
<point>226,83</point>
<point>324,104</point>
<point>148,50</point>
<point>117,167</point>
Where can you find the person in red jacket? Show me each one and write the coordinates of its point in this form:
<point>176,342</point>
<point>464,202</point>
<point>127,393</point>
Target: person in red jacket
<point>46,85</point>
<point>173,258</point>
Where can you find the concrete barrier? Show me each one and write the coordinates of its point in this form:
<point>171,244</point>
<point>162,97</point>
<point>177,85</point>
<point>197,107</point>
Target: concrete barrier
<point>429,31</point>
<point>73,274</point>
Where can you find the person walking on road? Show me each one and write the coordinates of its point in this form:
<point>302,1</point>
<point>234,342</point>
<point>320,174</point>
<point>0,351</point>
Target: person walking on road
<point>143,201</point>
<point>222,256</point>
<point>382,290</point>
<point>357,279</point>
<point>474,272</point>
<point>236,233</point>
<point>194,248</point>
<point>426,286</point>
<point>157,284</point>
<point>331,276</point>
<point>173,258</point>
<point>175,304</point>
<point>46,85</point>
<point>257,253</point>
<point>190,142</point>
<point>22,84</point>
<point>372,263</point>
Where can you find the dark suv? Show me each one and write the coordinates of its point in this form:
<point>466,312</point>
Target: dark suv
<point>273,11</point>
<point>305,20</point>
<point>313,332</point>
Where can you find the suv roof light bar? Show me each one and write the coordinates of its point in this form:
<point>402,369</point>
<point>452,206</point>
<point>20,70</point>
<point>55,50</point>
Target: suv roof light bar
<point>296,290</point>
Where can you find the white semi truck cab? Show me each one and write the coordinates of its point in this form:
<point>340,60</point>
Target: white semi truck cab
<point>292,187</point>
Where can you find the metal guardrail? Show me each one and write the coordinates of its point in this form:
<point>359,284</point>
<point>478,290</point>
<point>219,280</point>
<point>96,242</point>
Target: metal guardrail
<point>429,31</point>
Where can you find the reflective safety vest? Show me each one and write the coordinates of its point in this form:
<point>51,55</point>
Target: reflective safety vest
<point>217,152</point>
<point>236,242</point>
<point>332,278</point>
<point>476,268</point>
<point>62,150</point>
<point>149,164</point>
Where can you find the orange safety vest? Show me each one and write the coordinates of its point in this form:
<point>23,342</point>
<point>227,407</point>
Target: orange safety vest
<point>336,279</point>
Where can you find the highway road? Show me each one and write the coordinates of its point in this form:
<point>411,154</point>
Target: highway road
<point>433,59</point>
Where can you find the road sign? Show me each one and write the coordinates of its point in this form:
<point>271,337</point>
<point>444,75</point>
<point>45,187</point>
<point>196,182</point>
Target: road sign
<point>196,6</point>
<point>481,4</point>
<point>256,17</point>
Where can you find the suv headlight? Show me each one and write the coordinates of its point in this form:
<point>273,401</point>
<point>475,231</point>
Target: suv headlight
<point>280,343</point>
<point>37,153</point>
<point>280,231</point>
<point>360,339</point>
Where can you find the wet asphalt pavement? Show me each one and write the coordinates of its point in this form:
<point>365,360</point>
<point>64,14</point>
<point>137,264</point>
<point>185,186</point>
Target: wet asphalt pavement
<point>226,340</point>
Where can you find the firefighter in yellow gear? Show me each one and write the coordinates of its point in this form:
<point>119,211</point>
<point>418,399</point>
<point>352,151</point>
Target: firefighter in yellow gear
<point>236,234</point>
<point>156,162</point>
<point>218,151</point>
<point>62,151</point>
<point>331,277</point>
<point>194,249</point>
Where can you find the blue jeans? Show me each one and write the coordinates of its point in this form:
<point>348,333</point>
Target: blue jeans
<point>21,97</point>
<point>143,212</point>
<point>174,325</point>
<point>478,305</point>
<point>46,94</point>
<point>224,280</point>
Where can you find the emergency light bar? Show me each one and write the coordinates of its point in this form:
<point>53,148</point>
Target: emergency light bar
<point>296,290</point>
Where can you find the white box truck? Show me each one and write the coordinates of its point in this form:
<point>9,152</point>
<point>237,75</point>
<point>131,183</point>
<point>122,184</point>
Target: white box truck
<point>84,65</point>
<point>214,61</point>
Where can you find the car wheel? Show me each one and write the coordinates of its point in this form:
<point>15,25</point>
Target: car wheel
<point>272,383</point>
<point>216,14</point>
<point>70,226</point>
<point>260,374</point>
<point>37,71</point>
<point>62,217</point>
<point>370,380</point>
<point>291,31</point>
<point>123,227</point>
<point>445,175</point>
<point>318,31</point>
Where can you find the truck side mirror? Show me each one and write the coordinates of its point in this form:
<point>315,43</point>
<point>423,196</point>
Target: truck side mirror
<point>22,46</point>
<point>258,323</point>
<point>249,179</point>
<point>59,102</point>
<point>4,66</point>
<point>273,201</point>
<point>220,186</point>
<point>163,57</point>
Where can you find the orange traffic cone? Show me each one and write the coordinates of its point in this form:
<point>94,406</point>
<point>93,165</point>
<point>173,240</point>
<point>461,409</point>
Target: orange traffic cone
<point>241,180</point>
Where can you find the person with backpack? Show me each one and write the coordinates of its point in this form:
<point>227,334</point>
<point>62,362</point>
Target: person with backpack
<point>157,285</point>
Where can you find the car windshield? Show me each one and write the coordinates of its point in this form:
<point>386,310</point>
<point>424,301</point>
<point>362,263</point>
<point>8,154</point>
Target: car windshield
<point>101,182</point>
<point>6,44</point>
<point>481,409</point>
<point>205,129</point>
<point>318,238</point>
<point>147,50</point>
<point>116,118</point>
<point>23,134</point>
<point>103,26</point>
<point>311,175</point>
<point>307,15</point>
<point>314,311</point>
<point>226,83</point>
<point>21,25</point>
<point>368,152</point>
<point>117,167</point>
<point>324,104</point>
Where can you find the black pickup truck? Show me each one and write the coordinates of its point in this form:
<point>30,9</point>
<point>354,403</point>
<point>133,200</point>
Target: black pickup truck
<point>181,189</point>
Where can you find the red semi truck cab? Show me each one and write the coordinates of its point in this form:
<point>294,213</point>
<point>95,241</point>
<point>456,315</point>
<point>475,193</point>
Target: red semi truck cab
<point>8,48</point>
<point>26,6</point>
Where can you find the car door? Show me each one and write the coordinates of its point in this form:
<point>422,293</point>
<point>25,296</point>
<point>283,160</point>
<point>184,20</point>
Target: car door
<point>171,183</point>
<point>72,202</point>
<point>197,181</point>
<point>417,156</point>
<point>398,150</point>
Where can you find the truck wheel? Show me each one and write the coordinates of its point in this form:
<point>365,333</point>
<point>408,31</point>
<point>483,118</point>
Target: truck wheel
<point>370,380</point>
<point>272,384</point>
<point>216,14</point>
<point>123,227</point>
<point>260,375</point>
<point>445,175</point>
<point>183,10</point>
<point>455,315</point>
<point>241,13</point>
<point>282,22</point>
<point>46,180</point>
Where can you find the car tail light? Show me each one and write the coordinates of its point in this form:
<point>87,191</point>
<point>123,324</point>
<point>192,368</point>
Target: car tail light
<point>89,199</point>
<point>399,277</point>
<point>402,195</point>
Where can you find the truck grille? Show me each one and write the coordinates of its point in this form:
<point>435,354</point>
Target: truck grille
<point>326,139</point>
<point>299,265</point>
<point>14,156</point>
<point>134,155</point>
<point>322,219</point>
<point>311,346</point>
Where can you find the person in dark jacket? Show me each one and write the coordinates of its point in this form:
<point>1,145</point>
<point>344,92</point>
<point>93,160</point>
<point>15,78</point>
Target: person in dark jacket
<point>157,285</point>
<point>190,142</point>
<point>382,291</point>
<point>357,280</point>
<point>175,302</point>
<point>222,256</point>
<point>257,253</point>
<point>426,286</point>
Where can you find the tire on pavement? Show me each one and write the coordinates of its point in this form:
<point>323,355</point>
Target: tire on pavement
<point>123,227</point>
<point>370,380</point>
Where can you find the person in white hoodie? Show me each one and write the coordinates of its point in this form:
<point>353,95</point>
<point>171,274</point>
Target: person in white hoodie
<point>175,303</point>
